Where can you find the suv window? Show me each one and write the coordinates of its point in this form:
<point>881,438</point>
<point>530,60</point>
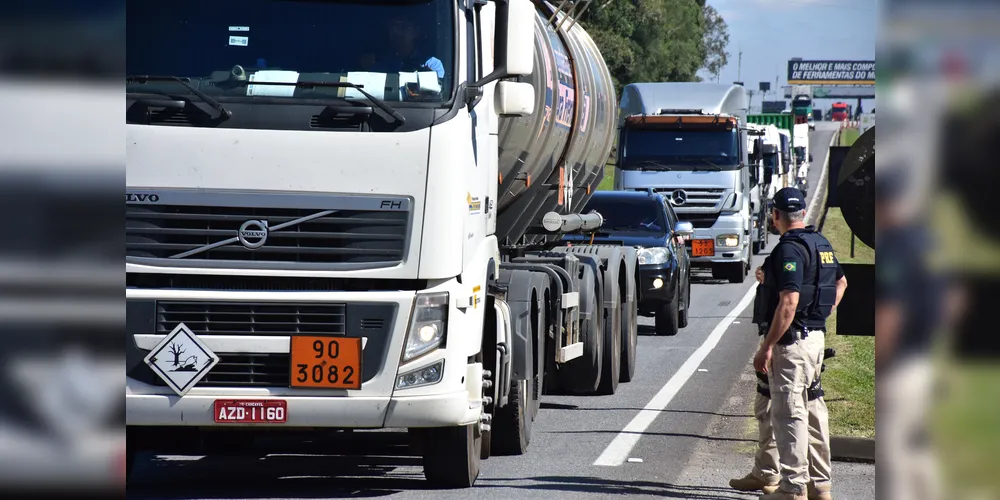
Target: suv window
<point>629,214</point>
<point>671,216</point>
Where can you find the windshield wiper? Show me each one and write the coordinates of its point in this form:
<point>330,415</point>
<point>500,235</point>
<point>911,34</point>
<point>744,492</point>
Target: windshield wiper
<point>374,100</point>
<point>644,165</point>
<point>224,114</point>
<point>715,167</point>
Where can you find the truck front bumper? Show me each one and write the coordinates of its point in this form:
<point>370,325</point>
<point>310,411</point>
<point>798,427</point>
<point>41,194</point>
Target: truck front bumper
<point>309,411</point>
<point>255,360</point>
<point>727,224</point>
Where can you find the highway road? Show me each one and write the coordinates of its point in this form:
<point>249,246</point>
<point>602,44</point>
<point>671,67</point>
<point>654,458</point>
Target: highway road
<point>680,429</point>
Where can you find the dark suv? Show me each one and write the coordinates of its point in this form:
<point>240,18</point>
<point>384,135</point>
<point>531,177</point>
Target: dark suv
<point>646,220</point>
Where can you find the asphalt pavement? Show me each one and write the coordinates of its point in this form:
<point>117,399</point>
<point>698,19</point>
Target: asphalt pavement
<point>681,429</point>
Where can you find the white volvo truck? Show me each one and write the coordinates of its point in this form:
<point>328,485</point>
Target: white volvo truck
<point>347,215</point>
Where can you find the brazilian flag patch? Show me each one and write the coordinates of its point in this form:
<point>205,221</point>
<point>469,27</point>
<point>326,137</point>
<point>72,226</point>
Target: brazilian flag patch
<point>790,267</point>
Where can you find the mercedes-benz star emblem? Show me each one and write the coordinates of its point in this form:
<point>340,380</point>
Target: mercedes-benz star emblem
<point>678,197</point>
<point>253,234</point>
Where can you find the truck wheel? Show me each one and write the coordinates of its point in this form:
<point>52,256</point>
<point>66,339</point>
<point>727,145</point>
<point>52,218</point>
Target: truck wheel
<point>630,338</point>
<point>582,375</point>
<point>611,371</point>
<point>451,455</point>
<point>755,248</point>
<point>668,316</point>
<point>682,319</point>
<point>511,429</point>
<point>738,272</point>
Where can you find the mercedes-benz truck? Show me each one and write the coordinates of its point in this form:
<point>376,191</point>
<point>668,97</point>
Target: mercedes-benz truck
<point>689,142</point>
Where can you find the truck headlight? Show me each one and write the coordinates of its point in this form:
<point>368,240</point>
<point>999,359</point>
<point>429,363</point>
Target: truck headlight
<point>427,328</point>
<point>728,240</point>
<point>653,256</point>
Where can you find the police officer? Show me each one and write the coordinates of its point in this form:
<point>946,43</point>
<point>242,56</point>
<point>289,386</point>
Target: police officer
<point>809,284</point>
<point>765,473</point>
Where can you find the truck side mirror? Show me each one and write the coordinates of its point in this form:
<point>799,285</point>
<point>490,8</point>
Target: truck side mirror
<point>514,99</point>
<point>514,49</point>
<point>520,39</point>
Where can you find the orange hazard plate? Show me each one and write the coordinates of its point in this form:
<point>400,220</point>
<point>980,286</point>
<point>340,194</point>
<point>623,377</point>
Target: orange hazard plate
<point>326,362</point>
<point>702,248</point>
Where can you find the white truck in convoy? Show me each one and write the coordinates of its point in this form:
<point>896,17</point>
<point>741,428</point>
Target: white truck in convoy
<point>689,142</point>
<point>349,216</point>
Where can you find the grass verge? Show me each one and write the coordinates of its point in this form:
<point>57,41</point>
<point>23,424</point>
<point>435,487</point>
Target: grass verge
<point>849,380</point>
<point>848,136</point>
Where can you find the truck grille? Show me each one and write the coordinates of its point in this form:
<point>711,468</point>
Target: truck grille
<point>265,229</point>
<point>373,322</point>
<point>693,198</point>
<point>238,318</point>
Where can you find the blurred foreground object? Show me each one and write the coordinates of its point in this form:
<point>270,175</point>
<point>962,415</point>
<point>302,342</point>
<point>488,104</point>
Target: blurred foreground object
<point>61,308</point>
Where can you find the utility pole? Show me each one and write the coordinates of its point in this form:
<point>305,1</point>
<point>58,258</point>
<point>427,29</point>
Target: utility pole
<point>739,66</point>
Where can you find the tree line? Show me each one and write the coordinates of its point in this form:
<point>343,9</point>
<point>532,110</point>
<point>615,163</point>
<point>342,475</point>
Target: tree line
<point>658,40</point>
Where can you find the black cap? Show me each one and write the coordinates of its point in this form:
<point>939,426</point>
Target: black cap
<point>789,200</point>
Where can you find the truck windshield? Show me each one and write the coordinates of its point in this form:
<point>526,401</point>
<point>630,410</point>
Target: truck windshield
<point>642,215</point>
<point>400,50</point>
<point>652,149</point>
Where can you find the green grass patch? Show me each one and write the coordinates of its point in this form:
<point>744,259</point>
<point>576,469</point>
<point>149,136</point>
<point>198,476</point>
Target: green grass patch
<point>848,136</point>
<point>608,182</point>
<point>965,433</point>
<point>849,380</point>
<point>836,230</point>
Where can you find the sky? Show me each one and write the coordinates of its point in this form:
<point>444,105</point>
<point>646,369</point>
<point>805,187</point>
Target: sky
<point>810,29</point>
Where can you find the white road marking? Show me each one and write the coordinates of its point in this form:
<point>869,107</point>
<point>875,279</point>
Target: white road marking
<point>618,451</point>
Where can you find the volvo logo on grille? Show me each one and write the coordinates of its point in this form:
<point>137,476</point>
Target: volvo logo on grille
<point>678,197</point>
<point>253,234</point>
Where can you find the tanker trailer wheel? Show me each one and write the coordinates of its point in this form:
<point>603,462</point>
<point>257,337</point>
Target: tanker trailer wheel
<point>451,455</point>
<point>582,375</point>
<point>611,369</point>
<point>630,329</point>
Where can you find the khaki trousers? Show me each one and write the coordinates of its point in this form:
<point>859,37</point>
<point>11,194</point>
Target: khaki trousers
<point>800,428</point>
<point>907,465</point>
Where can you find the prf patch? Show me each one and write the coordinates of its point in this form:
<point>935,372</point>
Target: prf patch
<point>790,267</point>
<point>826,257</point>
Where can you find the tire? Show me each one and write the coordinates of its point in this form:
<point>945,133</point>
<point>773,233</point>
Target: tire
<point>511,429</point>
<point>611,369</point>
<point>668,316</point>
<point>630,339</point>
<point>583,375</point>
<point>451,455</point>
<point>737,272</point>
<point>755,247</point>
<point>682,319</point>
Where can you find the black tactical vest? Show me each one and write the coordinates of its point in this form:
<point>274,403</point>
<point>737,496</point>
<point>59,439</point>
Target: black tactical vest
<point>818,294</point>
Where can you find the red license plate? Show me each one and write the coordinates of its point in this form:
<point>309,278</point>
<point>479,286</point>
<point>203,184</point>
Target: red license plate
<point>251,411</point>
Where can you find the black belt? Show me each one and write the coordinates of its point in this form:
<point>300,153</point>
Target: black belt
<point>794,335</point>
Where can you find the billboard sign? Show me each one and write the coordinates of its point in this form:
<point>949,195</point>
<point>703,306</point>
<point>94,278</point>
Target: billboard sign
<point>831,72</point>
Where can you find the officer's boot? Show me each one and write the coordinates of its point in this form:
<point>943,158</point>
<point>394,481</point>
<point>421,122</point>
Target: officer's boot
<point>821,492</point>
<point>751,482</point>
<point>782,495</point>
